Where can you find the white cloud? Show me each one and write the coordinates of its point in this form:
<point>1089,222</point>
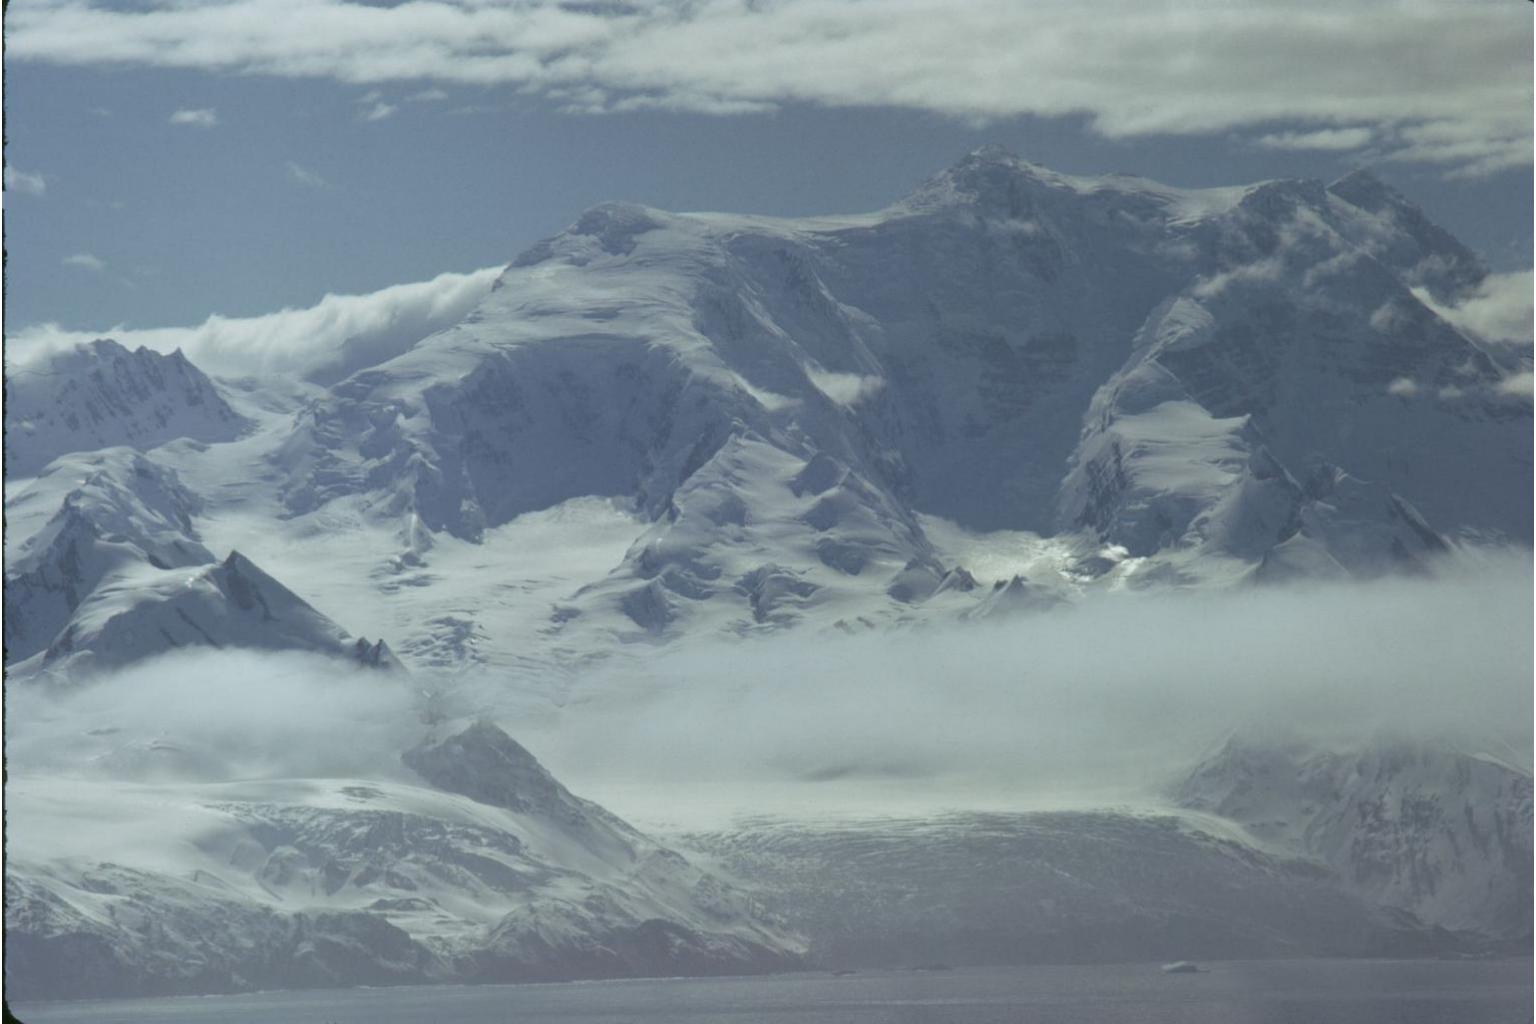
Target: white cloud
<point>339,333</point>
<point>1327,139</point>
<point>85,261</point>
<point>1044,708</point>
<point>1446,83</point>
<point>378,111</point>
<point>1518,384</point>
<point>24,183</point>
<point>1498,312</point>
<point>202,118</point>
<point>304,176</point>
<point>1403,387</point>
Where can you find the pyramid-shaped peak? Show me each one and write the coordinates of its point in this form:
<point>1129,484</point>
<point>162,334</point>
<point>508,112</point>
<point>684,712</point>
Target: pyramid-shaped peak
<point>483,763</point>
<point>107,347</point>
<point>1362,183</point>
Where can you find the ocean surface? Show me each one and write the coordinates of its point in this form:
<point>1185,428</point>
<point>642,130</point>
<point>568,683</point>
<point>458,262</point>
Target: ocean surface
<point>1248,992</point>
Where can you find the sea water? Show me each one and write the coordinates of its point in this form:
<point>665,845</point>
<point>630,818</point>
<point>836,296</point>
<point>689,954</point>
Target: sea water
<point>1249,992</point>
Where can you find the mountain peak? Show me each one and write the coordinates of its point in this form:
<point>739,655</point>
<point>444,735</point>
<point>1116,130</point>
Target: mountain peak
<point>991,153</point>
<point>99,394</point>
<point>485,764</point>
<point>1365,190</point>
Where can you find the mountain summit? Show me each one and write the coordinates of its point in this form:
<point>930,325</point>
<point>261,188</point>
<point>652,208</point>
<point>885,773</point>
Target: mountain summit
<point>1203,386</point>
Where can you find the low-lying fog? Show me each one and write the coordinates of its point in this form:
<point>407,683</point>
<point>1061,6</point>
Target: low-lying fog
<point>1100,703</point>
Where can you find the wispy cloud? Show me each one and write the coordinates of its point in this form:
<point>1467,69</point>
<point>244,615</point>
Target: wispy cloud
<point>85,261</point>
<point>304,176</point>
<point>201,118</point>
<point>1519,384</point>
<point>1449,81</point>
<point>1326,138</point>
<point>339,333</point>
<point>24,183</point>
<point>378,111</point>
<point>428,96</point>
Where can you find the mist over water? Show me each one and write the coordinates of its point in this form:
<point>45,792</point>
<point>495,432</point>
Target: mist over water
<point>1097,703</point>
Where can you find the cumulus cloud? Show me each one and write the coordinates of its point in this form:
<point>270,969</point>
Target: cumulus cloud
<point>24,183</point>
<point>304,176</point>
<point>322,342</point>
<point>201,118</point>
<point>85,261</point>
<point>1450,81</point>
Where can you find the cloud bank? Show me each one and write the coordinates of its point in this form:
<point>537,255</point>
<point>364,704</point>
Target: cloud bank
<point>321,343</point>
<point>1446,83</point>
<point>1093,705</point>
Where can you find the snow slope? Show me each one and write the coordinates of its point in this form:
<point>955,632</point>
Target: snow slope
<point>477,867</point>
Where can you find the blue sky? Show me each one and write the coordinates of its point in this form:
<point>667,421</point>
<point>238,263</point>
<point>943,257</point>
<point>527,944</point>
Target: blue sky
<point>167,162</point>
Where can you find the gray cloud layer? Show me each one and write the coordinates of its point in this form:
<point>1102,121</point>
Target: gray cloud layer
<point>1445,83</point>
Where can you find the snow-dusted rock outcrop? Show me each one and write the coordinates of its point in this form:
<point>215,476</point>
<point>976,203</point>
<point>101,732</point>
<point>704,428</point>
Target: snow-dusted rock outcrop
<point>93,517</point>
<point>1443,834</point>
<point>106,566</point>
<point>232,603</point>
<point>99,395</point>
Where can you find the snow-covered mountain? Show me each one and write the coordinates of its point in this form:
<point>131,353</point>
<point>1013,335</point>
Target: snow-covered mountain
<point>1157,385</point>
<point>1443,834</point>
<point>1006,392</point>
<point>478,867</point>
<point>100,395</point>
<point>108,568</point>
<point>1052,887</point>
<point>1233,377</point>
